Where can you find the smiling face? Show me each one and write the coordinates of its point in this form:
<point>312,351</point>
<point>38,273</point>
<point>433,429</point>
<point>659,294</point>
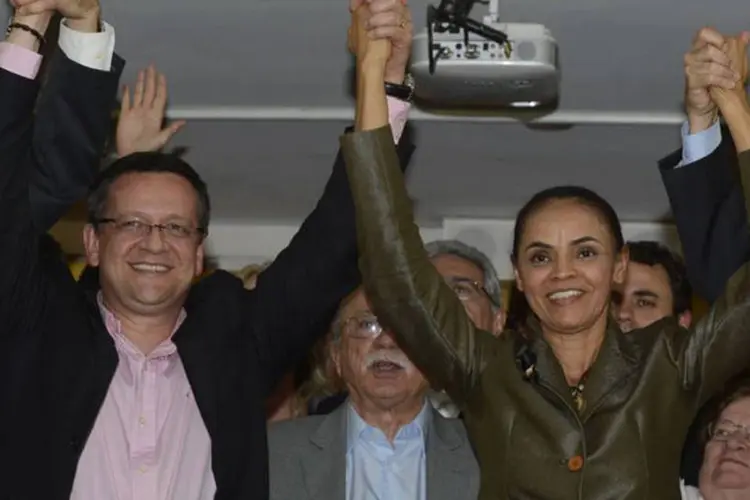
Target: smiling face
<point>725,472</point>
<point>146,274</point>
<point>566,266</point>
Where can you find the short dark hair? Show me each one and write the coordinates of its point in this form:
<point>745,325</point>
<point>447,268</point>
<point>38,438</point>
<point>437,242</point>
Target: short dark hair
<point>142,163</point>
<point>577,193</point>
<point>652,253</point>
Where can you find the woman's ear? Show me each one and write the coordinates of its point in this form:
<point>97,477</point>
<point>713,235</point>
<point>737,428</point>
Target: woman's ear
<point>517,277</point>
<point>620,271</point>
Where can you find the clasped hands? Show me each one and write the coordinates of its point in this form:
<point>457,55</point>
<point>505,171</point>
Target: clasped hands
<point>381,33</point>
<point>716,71</point>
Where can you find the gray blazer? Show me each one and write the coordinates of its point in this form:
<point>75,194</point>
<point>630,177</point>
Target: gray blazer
<point>307,459</point>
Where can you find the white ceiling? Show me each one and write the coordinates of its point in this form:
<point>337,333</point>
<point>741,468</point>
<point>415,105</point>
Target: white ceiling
<point>617,55</point>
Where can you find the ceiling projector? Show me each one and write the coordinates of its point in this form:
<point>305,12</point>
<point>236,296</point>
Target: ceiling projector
<point>462,63</point>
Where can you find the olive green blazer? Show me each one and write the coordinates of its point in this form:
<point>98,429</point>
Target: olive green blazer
<point>642,391</point>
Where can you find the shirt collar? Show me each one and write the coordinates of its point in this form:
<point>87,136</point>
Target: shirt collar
<point>358,429</point>
<point>124,345</point>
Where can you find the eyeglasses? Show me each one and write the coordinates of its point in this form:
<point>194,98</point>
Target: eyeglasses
<point>726,431</point>
<point>365,326</point>
<point>141,229</point>
<point>468,290</point>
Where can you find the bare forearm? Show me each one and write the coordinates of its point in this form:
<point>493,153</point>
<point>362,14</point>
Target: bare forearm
<point>372,106</point>
<point>737,116</point>
<point>699,123</point>
<point>25,39</point>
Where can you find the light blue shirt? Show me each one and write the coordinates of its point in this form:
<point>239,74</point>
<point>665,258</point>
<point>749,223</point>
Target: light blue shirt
<point>379,470</point>
<point>695,147</point>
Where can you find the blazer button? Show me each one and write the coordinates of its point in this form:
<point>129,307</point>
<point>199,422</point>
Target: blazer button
<point>575,463</point>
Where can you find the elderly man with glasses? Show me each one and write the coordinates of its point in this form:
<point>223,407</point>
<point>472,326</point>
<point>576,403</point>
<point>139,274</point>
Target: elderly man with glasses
<point>386,439</point>
<point>473,278</point>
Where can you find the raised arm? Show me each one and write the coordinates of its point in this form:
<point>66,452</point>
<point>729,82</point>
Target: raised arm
<point>80,86</point>
<point>296,297</point>
<point>719,346</point>
<point>701,179</point>
<point>408,295</point>
<point>18,237</point>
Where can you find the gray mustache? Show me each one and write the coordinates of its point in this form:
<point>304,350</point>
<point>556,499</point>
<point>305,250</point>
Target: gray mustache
<point>395,357</point>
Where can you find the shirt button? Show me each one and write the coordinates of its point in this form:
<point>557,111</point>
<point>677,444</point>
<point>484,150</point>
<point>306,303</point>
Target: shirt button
<point>141,421</point>
<point>142,469</point>
<point>575,463</point>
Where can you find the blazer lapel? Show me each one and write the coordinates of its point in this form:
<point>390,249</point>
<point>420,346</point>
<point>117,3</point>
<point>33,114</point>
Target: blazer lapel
<point>448,473</point>
<point>614,366</point>
<point>607,380</point>
<point>324,469</point>
<point>197,357</point>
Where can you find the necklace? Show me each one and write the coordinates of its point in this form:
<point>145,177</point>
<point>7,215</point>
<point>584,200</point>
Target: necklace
<point>576,392</point>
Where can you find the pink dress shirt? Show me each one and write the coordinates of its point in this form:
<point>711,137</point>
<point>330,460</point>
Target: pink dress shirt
<point>93,50</point>
<point>149,441</point>
<point>19,60</point>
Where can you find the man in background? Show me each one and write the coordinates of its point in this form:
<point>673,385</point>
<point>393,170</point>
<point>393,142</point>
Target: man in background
<point>656,286</point>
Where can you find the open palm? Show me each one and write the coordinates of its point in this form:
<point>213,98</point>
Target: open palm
<point>139,127</point>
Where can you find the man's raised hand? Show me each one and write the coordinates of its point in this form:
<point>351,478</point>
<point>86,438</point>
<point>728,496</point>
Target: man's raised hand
<point>706,65</point>
<point>139,128</point>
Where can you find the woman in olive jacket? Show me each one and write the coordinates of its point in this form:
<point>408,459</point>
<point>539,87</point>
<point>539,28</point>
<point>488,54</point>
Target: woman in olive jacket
<point>572,408</point>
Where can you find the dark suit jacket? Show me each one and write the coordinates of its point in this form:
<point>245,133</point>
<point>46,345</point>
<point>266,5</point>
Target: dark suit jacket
<point>57,360</point>
<point>709,211</point>
<point>307,459</point>
<point>68,157</point>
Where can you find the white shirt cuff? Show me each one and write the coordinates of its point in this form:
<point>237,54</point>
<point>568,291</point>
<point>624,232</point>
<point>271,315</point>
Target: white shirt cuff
<point>92,50</point>
<point>695,147</point>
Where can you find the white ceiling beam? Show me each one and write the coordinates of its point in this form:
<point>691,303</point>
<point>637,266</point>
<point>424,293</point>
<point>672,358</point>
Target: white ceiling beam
<point>301,113</point>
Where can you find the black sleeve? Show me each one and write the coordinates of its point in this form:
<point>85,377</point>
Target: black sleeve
<point>74,121</point>
<point>297,296</point>
<point>709,211</point>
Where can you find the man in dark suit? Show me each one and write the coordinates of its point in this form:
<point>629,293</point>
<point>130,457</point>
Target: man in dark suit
<point>702,179</point>
<point>109,391</point>
<point>703,185</point>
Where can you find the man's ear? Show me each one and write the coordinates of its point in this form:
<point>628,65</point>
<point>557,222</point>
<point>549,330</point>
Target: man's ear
<point>499,323</point>
<point>91,245</point>
<point>334,353</point>
<point>200,259</point>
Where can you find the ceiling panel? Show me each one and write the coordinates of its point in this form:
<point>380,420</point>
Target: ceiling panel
<point>615,55</point>
<point>276,170</point>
